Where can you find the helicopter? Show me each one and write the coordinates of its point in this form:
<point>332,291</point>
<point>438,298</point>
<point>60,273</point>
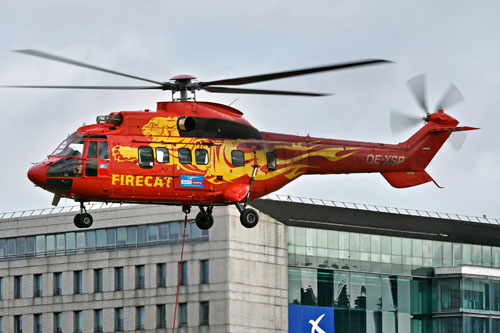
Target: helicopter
<point>205,154</point>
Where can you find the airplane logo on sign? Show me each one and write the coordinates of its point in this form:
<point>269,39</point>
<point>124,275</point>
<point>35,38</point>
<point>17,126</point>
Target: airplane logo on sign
<point>315,324</point>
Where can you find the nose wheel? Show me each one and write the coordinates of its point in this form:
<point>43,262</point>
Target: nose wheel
<point>84,219</point>
<point>204,219</point>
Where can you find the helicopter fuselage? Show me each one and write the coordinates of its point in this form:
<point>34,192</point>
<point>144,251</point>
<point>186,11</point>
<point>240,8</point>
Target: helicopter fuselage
<point>197,153</point>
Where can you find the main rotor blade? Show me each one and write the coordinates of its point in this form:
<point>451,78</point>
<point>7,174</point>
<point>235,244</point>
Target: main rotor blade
<point>260,91</point>
<point>417,86</point>
<point>281,75</point>
<point>451,97</point>
<point>401,121</point>
<point>91,87</point>
<point>44,55</point>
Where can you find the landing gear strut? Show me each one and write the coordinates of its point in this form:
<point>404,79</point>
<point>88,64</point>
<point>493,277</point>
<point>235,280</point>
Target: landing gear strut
<point>204,219</point>
<point>248,216</point>
<point>83,220</point>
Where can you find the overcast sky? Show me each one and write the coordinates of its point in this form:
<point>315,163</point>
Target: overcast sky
<point>451,41</point>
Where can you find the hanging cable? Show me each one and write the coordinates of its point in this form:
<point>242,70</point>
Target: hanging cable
<point>180,271</point>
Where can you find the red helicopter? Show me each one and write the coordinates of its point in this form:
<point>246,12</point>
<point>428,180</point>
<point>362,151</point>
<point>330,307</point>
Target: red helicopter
<point>206,154</point>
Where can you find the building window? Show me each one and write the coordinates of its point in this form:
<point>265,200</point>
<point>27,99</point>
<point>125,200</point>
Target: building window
<point>18,324</point>
<point>18,286</point>
<point>184,272</point>
<point>37,323</point>
<point>183,314</point>
<point>271,161</point>
<point>237,158</point>
<point>118,278</point>
<point>57,322</point>
<point>77,321</point>
<point>98,280</point>
<point>1,324</point>
<point>118,319</point>
<point>77,282</point>
<point>1,288</point>
<point>139,317</point>
<point>57,283</point>
<point>204,272</point>
<point>139,277</point>
<point>161,318</point>
<point>161,275</point>
<point>204,313</point>
<point>185,156</point>
<point>98,321</point>
<point>37,285</point>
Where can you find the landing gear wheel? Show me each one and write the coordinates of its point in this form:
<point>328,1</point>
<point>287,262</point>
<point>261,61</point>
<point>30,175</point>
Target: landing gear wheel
<point>204,221</point>
<point>84,220</point>
<point>249,218</point>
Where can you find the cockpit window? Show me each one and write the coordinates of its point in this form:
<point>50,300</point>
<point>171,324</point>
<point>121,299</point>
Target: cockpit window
<point>74,148</point>
<point>66,142</point>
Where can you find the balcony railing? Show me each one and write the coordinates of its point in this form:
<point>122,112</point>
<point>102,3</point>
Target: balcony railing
<point>383,209</point>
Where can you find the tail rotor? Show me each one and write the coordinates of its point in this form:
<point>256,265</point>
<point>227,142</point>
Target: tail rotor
<point>401,121</point>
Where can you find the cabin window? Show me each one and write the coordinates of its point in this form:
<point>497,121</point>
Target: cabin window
<point>162,155</point>
<point>103,150</point>
<point>146,158</point>
<point>238,158</point>
<point>91,168</point>
<point>92,150</point>
<point>185,156</point>
<point>201,156</point>
<point>271,161</point>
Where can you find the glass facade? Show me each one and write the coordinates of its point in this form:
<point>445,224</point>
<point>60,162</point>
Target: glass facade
<point>99,240</point>
<point>382,254</point>
<point>388,284</point>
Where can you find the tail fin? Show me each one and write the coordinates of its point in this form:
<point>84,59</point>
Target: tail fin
<point>421,149</point>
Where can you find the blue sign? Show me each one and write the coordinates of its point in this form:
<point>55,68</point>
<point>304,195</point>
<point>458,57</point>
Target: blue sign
<point>191,181</point>
<point>310,319</point>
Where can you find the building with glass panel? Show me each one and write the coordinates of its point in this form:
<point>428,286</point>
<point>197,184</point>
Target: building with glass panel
<point>121,274</point>
<point>308,265</point>
<point>392,272</point>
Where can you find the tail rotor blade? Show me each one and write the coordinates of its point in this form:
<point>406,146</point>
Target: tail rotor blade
<point>401,121</point>
<point>417,86</point>
<point>451,97</point>
<point>457,140</point>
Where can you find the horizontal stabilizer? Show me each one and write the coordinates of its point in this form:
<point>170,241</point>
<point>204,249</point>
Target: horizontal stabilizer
<point>407,178</point>
<point>453,129</point>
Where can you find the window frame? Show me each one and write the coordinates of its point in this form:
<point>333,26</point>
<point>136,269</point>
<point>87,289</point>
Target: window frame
<point>140,276</point>
<point>167,155</point>
<point>77,282</point>
<point>271,161</point>
<point>145,164</point>
<point>37,285</point>
<point>204,271</point>
<point>119,278</point>
<point>237,151</point>
<point>182,161</point>
<point>98,280</point>
<point>206,158</point>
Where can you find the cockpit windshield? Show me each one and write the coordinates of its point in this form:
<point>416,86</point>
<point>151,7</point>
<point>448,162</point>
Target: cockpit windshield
<point>72,146</point>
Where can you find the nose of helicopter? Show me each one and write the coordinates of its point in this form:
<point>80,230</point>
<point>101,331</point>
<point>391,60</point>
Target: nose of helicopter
<point>38,174</point>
